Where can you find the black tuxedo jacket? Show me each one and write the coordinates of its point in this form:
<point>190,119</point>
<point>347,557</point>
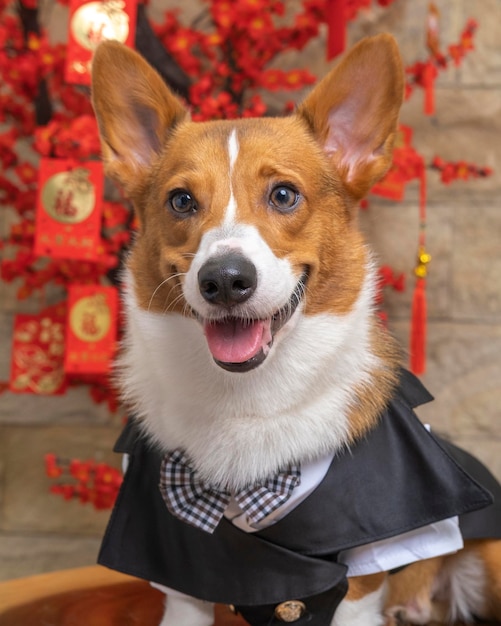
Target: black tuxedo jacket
<point>398,478</point>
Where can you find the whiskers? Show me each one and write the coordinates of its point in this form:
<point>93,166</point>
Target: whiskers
<point>301,289</point>
<point>283,315</point>
<point>170,302</point>
<point>172,299</point>
<point>186,310</point>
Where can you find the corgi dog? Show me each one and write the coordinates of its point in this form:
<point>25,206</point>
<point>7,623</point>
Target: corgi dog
<point>253,350</point>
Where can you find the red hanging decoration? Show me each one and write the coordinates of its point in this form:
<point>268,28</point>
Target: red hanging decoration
<point>38,352</point>
<point>429,76</point>
<point>91,329</point>
<point>418,325</point>
<point>69,204</point>
<point>428,71</point>
<point>419,305</point>
<point>336,22</point>
<point>337,15</point>
<point>93,22</point>
<point>432,30</point>
<point>458,170</point>
<point>387,277</point>
<point>407,165</point>
<point>424,73</point>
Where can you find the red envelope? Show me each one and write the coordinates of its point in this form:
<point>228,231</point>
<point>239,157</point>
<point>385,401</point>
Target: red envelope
<point>69,207</point>
<point>91,329</point>
<point>38,353</point>
<point>91,23</point>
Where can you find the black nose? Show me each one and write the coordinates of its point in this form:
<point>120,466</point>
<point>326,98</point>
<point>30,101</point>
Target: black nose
<point>227,280</point>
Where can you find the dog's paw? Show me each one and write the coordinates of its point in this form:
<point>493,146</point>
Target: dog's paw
<point>412,613</point>
<point>395,617</point>
<point>181,610</point>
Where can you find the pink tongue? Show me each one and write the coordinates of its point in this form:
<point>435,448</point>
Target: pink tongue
<point>232,341</point>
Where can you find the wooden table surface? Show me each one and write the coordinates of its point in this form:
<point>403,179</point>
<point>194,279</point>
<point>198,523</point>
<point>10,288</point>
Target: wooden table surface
<point>88,596</point>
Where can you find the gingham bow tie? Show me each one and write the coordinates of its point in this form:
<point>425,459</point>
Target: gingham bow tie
<point>203,506</point>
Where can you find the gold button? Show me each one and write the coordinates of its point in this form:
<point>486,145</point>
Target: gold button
<point>290,611</point>
<point>232,609</point>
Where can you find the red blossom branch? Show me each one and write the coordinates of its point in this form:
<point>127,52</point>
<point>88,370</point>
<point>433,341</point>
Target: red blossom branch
<point>231,60</point>
<point>424,73</point>
<point>387,278</point>
<point>88,481</point>
<point>458,170</point>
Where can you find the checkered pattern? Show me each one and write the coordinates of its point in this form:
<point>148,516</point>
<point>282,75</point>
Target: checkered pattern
<point>202,506</point>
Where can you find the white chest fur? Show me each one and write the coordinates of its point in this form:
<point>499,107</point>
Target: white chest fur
<point>238,428</point>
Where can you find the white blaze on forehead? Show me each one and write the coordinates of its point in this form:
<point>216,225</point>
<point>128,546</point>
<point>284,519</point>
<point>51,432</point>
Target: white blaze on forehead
<point>233,147</point>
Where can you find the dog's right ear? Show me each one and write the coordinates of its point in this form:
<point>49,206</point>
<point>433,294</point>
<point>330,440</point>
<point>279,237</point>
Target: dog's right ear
<point>353,112</point>
<point>135,111</point>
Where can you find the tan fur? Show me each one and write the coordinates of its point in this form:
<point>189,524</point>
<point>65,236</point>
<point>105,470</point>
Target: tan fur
<point>490,553</point>
<point>372,398</point>
<point>360,586</point>
<point>415,588</point>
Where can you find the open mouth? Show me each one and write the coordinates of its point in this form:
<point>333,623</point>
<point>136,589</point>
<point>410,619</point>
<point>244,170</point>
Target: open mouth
<point>239,344</point>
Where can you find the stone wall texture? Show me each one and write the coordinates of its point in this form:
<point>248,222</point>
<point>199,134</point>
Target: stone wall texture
<point>39,532</point>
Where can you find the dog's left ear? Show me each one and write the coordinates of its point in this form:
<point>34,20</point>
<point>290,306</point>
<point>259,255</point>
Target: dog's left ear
<point>354,111</point>
<point>135,112</point>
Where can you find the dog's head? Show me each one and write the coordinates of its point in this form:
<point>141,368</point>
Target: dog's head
<point>246,225</point>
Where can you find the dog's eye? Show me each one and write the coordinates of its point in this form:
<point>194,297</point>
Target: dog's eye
<point>284,198</point>
<point>182,203</point>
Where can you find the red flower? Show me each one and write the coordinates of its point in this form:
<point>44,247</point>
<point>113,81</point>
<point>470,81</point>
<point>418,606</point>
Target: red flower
<point>115,214</point>
<point>26,172</point>
<point>459,170</point>
<point>224,14</point>
<point>44,138</point>
<point>25,202</point>
<point>52,468</point>
<point>11,36</point>
<point>74,139</point>
<point>97,483</point>
<point>255,108</point>
<point>8,191</point>
<point>8,156</point>
<point>182,45</point>
<point>272,79</point>
<point>295,79</point>
<point>80,470</point>
<point>20,115</point>
<point>75,103</point>
<point>85,128</point>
